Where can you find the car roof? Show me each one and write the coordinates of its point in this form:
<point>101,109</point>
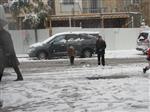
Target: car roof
<point>146,31</point>
<point>73,32</point>
<point>77,32</point>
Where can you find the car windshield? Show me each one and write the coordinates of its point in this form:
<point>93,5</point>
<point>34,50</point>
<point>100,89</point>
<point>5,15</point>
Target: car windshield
<point>143,36</point>
<point>87,35</point>
<point>49,39</point>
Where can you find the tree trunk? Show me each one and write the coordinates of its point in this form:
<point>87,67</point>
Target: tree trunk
<point>36,35</point>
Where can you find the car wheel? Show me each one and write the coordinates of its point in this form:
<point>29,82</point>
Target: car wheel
<point>87,54</point>
<point>42,55</point>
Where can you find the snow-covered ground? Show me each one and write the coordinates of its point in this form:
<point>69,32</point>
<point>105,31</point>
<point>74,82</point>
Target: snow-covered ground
<point>87,88</point>
<point>124,54</point>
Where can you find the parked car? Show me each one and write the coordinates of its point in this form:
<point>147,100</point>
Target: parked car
<point>56,45</point>
<point>143,41</point>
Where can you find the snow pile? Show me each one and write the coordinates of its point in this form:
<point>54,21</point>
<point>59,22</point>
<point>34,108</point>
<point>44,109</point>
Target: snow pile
<point>124,54</point>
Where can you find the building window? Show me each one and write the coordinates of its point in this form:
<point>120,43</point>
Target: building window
<point>135,1</point>
<point>94,4</point>
<point>68,2</point>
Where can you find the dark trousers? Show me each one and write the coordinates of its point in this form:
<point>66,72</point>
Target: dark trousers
<point>101,59</point>
<point>71,60</point>
<point>16,68</point>
<point>1,72</point>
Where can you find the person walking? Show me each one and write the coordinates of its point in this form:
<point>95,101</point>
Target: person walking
<point>71,54</point>
<point>148,59</point>
<point>100,50</point>
<point>7,53</point>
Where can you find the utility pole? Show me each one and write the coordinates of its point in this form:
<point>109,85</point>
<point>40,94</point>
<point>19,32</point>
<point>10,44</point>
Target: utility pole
<point>102,22</point>
<point>132,21</point>
<point>70,25</point>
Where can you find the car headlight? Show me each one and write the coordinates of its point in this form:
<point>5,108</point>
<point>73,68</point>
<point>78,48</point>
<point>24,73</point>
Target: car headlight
<point>31,49</point>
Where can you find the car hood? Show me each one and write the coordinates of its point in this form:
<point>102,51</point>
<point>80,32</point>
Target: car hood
<point>37,44</point>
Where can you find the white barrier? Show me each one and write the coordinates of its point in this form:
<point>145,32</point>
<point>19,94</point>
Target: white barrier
<point>22,39</point>
<point>116,38</point>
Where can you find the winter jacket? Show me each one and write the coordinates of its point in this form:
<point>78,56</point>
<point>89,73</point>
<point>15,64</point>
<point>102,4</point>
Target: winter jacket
<point>71,51</point>
<point>148,54</point>
<point>7,47</point>
<point>100,47</point>
<point>2,62</point>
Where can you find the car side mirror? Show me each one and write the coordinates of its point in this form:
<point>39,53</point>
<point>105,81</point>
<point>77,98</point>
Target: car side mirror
<point>52,43</point>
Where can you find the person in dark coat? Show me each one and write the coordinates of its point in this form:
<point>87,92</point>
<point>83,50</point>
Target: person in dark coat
<point>71,54</point>
<point>7,53</point>
<point>100,50</point>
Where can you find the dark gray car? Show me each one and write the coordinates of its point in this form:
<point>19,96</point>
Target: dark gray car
<point>56,46</point>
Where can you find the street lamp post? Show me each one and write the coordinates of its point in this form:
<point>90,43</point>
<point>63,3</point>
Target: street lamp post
<point>70,25</point>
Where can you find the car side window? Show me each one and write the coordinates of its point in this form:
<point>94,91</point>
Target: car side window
<point>59,40</point>
<point>72,37</point>
<point>85,37</point>
<point>143,36</point>
<point>95,35</point>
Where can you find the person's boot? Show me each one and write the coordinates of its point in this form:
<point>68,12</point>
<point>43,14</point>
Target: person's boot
<point>1,104</point>
<point>19,75</point>
<point>0,78</point>
<point>20,78</point>
<point>103,64</point>
<point>145,69</point>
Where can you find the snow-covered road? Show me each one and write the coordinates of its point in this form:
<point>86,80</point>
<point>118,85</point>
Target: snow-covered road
<point>87,88</point>
<point>112,58</point>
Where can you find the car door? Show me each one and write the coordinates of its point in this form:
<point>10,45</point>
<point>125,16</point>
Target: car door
<point>87,40</point>
<point>75,41</point>
<point>71,39</point>
<point>58,46</point>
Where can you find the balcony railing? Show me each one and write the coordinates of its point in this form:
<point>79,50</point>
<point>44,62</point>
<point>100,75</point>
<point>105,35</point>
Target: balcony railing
<point>97,10</point>
<point>130,8</point>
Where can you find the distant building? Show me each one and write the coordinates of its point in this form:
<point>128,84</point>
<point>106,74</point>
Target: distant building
<point>146,11</point>
<point>97,13</point>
